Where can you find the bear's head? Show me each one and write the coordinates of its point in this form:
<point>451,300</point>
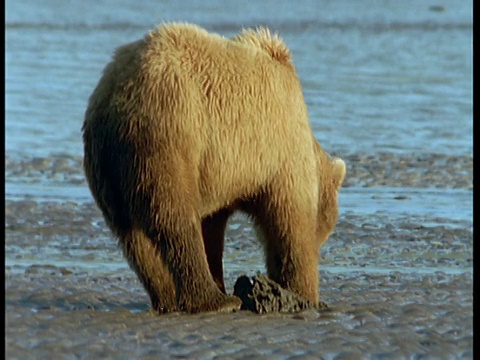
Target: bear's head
<point>331,175</point>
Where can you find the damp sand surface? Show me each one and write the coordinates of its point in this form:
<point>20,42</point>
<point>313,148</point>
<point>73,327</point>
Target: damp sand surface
<point>396,274</point>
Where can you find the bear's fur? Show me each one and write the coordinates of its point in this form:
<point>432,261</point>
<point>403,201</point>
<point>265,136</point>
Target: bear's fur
<point>186,127</point>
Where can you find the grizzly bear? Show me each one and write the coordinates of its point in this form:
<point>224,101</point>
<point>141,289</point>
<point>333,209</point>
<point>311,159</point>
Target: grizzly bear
<point>184,128</point>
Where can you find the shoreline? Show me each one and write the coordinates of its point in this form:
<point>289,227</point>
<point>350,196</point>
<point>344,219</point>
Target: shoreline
<point>363,170</point>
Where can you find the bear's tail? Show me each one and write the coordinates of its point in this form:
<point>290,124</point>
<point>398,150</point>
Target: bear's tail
<point>262,38</point>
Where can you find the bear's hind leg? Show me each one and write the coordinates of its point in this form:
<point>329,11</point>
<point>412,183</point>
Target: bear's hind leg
<point>166,208</point>
<point>145,259</point>
<point>184,252</point>
<point>213,231</point>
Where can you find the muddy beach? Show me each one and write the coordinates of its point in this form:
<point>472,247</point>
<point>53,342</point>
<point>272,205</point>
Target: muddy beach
<point>398,284</point>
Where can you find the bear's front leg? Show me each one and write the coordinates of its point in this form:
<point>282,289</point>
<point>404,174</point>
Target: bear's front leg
<point>184,253</point>
<point>286,223</point>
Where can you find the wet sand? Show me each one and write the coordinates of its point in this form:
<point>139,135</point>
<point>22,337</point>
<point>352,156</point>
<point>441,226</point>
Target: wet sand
<point>398,285</point>
<point>364,169</point>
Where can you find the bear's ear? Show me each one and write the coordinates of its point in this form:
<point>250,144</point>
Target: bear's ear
<point>339,170</point>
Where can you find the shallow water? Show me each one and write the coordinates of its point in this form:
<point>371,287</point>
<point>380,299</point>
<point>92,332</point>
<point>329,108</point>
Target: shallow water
<point>388,87</point>
<point>377,75</point>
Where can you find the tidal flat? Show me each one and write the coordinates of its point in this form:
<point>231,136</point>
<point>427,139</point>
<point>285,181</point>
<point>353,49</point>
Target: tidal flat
<point>397,275</point>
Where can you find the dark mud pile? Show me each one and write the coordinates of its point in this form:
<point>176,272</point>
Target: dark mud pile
<point>262,295</point>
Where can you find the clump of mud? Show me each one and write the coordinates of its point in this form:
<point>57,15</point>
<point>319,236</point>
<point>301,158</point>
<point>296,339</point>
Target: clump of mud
<point>262,295</point>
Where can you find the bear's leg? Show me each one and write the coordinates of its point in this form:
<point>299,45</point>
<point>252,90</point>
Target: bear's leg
<point>166,208</point>
<point>287,230</point>
<point>213,231</point>
<point>184,252</point>
<point>151,270</point>
<point>144,259</point>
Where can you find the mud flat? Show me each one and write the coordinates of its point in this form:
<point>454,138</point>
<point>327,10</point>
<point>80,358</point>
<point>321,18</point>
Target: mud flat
<point>396,274</point>
<point>73,314</point>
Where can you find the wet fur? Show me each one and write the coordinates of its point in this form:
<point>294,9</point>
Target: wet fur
<point>184,128</point>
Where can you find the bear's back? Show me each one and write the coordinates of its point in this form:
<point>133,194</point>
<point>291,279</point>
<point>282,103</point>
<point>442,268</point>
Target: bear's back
<point>184,36</point>
<point>243,81</point>
<point>233,107</point>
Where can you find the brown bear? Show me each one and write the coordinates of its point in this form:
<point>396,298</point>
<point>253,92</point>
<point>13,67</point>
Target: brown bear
<point>186,127</point>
